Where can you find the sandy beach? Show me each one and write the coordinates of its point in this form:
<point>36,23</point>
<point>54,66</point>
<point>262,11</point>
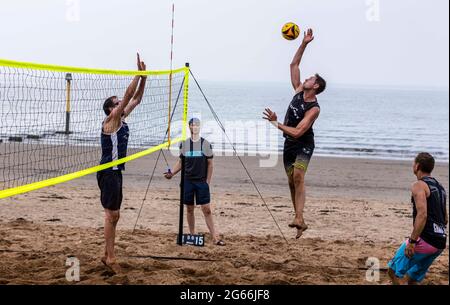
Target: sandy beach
<point>356,209</point>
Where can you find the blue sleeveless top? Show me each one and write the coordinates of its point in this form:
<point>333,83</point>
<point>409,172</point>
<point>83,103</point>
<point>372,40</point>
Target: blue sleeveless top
<point>115,145</point>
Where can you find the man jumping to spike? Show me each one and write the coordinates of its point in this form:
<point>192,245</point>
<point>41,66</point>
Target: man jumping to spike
<point>114,140</point>
<point>298,131</point>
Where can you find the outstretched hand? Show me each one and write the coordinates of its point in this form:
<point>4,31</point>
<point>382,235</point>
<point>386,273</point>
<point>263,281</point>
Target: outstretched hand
<point>270,116</point>
<point>141,65</point>
<point>309,37</point>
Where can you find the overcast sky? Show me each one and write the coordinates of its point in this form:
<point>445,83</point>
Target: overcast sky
<point>406,44</point>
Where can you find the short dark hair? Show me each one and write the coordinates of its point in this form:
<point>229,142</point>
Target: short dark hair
<point>109,103</point>
<point>426,162</point>
<point>194,121</point>
<point>322,84</point>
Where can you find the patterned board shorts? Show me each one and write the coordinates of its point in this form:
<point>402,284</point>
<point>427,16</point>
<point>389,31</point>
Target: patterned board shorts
<point>297,155</point>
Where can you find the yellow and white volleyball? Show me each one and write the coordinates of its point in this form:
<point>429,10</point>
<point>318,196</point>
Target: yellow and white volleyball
<point>290,31</point>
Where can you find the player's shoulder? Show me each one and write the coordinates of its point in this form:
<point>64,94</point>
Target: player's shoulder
<point>299,92</point>
<point>185,142</point>
<point>206,142</point>
<point>110,124</point>
<point>313,109</point>
<point>419,186</point>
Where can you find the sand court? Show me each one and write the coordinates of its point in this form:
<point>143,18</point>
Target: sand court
<point>356,209</point>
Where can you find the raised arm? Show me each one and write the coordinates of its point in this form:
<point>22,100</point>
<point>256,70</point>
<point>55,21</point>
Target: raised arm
<point>295,65</point>
<point>139,94</point>
<point>116,114</point>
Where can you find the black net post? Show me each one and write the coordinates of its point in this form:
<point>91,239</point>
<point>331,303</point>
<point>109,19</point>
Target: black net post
<point>180,228</point>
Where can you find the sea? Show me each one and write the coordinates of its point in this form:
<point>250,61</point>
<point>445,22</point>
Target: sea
<point>355,121</point>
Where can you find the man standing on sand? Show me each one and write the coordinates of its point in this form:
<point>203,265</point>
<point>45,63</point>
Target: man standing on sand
<point>114,141</point>
<point>199,169</point>
<point>428,238</point>
<point>298,131</point>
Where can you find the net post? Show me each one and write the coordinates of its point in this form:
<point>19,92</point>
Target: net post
<point>169,139</point>
<point>68,89</point>
<point>186,100</point>
<point>183,158</point>
<point>182,185</point>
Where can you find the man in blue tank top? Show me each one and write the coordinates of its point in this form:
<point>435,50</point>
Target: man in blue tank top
<point>428,238</point>
<point>298,131</point>
<point>114,142</point>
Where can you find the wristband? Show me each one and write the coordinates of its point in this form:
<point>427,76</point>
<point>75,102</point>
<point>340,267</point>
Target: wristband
<point>275,124</point>
<point>412,241</point>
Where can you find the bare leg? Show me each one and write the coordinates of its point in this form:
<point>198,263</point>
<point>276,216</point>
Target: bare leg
<point>191,218</point>
<point>300,195</point>
<point>111,220</point>
<point>292,189</point>
<point>395,280</point>
<point>206,209</point>
<point>300,198</point>
<point>410,281</point>
<point>293,195</point>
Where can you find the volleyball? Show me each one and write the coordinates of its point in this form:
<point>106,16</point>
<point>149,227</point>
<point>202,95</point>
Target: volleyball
<point>290,31</point>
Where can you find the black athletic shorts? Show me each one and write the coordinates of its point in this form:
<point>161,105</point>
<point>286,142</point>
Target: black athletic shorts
<point>196,193</point>
<point>297,155</point>
<point>110,184</point>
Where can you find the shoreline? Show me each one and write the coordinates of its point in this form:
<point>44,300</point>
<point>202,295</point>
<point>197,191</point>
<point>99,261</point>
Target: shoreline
<point>264,153</point>
<point>230,152</point>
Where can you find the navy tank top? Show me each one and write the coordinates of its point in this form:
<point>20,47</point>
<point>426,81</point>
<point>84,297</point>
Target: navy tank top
<point>115,145</point>
<point>295,114</point>
<point>434,232</point>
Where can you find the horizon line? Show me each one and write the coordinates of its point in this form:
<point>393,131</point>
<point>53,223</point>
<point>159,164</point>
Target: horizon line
<point>346,85</point>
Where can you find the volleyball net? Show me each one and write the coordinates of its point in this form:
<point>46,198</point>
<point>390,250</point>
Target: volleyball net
<point>51,119</point>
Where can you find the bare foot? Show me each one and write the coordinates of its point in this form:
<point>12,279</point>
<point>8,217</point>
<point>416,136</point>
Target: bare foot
<point>219,242</point>
<point>112,265</point>
<point>394,279</point>
<point>297,224</point>
<point>304,227</point>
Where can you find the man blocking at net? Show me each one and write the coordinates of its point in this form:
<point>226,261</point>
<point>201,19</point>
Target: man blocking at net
<point>428,238</point>
<point>114,141</point>
<point>299,146</point>
<point>198,154</point>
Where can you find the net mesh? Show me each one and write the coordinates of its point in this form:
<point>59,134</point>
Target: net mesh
<point>34,145</point>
